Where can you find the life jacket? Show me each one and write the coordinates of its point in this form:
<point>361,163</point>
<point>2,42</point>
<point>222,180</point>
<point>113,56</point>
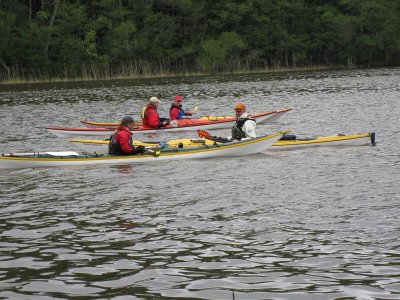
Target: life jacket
<point>181,111</point>
<point>114,147</point>
<point>144,112</point>
<point>150,117</point>
<point>237,129</point>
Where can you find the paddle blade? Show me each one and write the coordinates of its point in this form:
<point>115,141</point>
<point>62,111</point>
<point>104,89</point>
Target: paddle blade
<point>155,152</point>
<point>195,109</point>
<point>203,133</point>
<point>373,139</point>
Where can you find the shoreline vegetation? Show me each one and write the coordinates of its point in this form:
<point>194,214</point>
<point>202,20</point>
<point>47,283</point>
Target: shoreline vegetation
<point>105,77</point>
<point>82,40</point>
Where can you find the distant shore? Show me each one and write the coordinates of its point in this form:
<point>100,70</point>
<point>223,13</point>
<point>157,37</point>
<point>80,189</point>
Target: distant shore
<point>166,75</point>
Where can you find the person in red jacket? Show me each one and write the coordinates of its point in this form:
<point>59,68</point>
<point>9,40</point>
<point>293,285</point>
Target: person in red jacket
<point>150,117</point>
<point>121,140</point>
<point>176,111</point>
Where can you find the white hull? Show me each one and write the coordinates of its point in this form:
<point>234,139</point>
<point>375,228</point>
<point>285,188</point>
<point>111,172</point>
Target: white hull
<point>65,132</point>
<point>73,132</point>
<point>230,149</point>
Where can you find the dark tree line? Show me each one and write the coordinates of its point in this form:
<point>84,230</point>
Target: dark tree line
<point>43,39</point>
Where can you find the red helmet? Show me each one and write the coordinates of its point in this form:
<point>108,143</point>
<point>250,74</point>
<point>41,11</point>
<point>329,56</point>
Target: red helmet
<point>178,98</point>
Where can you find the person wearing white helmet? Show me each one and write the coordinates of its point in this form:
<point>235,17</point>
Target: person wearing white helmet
<point>150,117</point>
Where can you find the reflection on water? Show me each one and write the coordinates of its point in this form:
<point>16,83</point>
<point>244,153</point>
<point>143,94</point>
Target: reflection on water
<point>306,224</point>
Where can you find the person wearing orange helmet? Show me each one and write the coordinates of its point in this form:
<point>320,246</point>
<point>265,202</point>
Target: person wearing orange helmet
<point>245,127</point>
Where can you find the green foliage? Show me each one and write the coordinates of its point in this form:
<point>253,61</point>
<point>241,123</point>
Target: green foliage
<point>221,54</point>
<point>7,23</point>
<point>104,38</point>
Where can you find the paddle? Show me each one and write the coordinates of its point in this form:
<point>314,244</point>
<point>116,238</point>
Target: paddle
<point>203,134</point>
<point>155,151</point>
<point>195,109</point>
<point>206,135</point>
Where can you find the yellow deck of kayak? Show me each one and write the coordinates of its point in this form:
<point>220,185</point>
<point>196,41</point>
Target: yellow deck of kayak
<point>322,139</point>
<point>171,143</point>
<point>206,118</point>
<point>195,142</point>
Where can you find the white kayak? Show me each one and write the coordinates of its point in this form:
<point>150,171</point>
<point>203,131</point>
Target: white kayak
<point>55,159</point>
<point>100,147</point>
<point>261,118</point>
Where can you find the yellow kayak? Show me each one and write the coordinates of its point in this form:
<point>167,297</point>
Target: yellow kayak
<point>152,154</point>
<point>287,143</point>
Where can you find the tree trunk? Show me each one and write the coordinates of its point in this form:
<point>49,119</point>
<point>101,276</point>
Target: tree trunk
<point>30,11</point>
<point>7,68</point>
<point>53,17</point>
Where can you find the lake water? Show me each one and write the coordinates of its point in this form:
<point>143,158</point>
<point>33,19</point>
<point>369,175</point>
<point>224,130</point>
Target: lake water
<point>321,223</point>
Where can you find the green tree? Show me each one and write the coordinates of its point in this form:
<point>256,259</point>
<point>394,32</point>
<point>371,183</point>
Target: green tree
<point>221,54</point>
<point>73,38</point>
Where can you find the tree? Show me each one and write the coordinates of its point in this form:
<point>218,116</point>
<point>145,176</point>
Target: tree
<point>221,54</point>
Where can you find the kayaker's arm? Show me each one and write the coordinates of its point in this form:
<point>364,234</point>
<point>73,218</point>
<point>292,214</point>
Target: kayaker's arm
<point>249,128</point>
<point>164,122</point>
<point>208,136</point>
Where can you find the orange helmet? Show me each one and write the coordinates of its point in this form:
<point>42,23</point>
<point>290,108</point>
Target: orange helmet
<point>240,107</point>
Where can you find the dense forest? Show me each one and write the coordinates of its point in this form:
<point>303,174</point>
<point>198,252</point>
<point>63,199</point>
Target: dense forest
<point>65,39</point>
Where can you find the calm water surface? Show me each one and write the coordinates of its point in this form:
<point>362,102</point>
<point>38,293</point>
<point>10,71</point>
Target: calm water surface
<point>301,224</point>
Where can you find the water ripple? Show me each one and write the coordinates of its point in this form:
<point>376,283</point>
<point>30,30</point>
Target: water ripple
<point>305,224</point>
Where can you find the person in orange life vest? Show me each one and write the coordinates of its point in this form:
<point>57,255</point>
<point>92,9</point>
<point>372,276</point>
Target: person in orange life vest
<point>176,111</point>
<point>150,117</point>
<point>121,140</point>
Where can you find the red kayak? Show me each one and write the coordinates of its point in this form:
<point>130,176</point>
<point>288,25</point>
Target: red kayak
<point>183,125</point>
<point>264,117</point>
